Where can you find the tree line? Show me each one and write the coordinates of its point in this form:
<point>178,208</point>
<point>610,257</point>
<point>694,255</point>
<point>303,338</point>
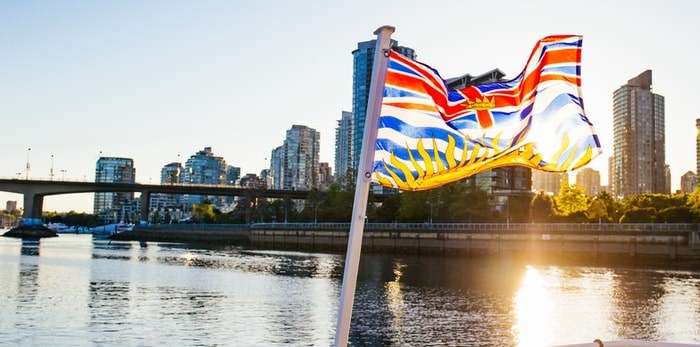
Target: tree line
<point>456,202</point>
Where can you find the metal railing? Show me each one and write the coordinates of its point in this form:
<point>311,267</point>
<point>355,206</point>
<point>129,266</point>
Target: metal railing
<point>539,227</point>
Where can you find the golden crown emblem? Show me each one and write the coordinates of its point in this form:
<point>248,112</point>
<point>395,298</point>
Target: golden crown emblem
<point>479,104</point>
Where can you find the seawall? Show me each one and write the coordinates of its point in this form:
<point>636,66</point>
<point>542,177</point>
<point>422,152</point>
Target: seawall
<point>664,242</point>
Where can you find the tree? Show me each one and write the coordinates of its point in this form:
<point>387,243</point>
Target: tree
<point>570,200</point>
<point>203,213</point>
<point>541,208</point>
<point>656,201</point>
<point>693,201</point>
<point>676,214</point>
<point>340,198</point>
<point>389,209</point>
<point>596,211</point>
<point>155,217</point>
<point>315,206</point>
<point>470,206</point>
<point>415,206</point>
<point>639,215</point>
<point>613,208</point>
<point>519,208</point>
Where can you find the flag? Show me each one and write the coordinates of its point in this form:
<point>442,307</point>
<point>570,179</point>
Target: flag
<point>430,135</point>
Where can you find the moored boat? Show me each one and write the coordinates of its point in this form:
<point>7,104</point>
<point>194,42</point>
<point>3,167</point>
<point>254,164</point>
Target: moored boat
<point>111,229</point>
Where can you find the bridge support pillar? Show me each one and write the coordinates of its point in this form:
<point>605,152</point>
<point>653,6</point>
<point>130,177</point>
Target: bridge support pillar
<point>145,206</point>
<point>33,205</point>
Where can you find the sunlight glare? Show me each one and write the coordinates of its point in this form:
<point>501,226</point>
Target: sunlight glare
<point>533,309</point>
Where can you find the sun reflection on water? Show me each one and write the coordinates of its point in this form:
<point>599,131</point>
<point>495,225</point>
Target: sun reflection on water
<point>533,308</point>
<point>395,299</point>
<point>188,258</point>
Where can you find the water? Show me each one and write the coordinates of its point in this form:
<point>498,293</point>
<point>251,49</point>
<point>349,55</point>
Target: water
<point>78,291</point>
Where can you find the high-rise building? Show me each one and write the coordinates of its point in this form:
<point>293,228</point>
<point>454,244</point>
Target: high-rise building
<point>589,180</point>
<point>252,181</point>
<point>548,182</point>
<point>688,182</point>
<point>114,207</point>
<point>276,166</point>
<point>233,173</point>
<point>169,174</point>
<point>266,177</point>
<point>204,168</point>
<point>639,152</point>
<point>324,176</point>
<point>295,165</point>
<point>363,60</point>
<point>343,145</point>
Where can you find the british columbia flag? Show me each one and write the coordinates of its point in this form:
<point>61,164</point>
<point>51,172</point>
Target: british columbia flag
<point>430,135</point>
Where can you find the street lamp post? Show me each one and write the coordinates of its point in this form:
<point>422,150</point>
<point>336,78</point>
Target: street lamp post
<point>51,172</point>
<point>63,174</point>
<point>27,169</point>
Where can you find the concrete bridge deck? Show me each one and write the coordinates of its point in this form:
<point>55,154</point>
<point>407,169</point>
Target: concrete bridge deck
<point>35,190</point>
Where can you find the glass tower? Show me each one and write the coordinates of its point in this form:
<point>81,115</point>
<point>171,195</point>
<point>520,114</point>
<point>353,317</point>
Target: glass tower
<point>343,146</point>
<point>114,207</point>
<point>363,59</point>
<point>639,155</point>
<point>204,168</point>
<point>294,165</point>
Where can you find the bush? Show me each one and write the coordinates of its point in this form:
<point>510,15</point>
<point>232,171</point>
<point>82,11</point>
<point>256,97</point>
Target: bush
<point>639,215</point>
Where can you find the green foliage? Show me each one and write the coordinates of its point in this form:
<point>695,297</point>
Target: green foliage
<point>571,199</point>
<point>656,201</point>
<point>456,202</point>
<point>693,201</point>
<point>676,214</point>
<point>519,206</point>
<point>415,206</point>
<point>639,215</point>
<point>388,211</point>
<point>471,206</point>
<point>203,213</point>
<point>339,202</point>
<point>614,209</point>
<point>541,208</point>
<point>72,218</point>
<point>597,211</point>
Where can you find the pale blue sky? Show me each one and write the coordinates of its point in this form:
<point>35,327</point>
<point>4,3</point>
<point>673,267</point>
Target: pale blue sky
<point>149,80</point>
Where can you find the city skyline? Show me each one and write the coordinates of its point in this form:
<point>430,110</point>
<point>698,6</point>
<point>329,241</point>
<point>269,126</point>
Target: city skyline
<point>115,79</point>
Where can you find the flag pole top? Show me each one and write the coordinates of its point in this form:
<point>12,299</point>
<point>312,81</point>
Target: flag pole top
<point>389,28</point>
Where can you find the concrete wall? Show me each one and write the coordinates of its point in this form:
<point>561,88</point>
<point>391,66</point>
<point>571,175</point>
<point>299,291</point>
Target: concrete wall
<point>670,246</point>
<point>679,245</point>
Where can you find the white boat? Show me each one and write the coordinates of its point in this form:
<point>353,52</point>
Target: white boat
<point>62,228</point>
<point>111,229</point>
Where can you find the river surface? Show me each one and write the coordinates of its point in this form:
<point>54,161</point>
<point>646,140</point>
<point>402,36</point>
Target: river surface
<point>76,290</point>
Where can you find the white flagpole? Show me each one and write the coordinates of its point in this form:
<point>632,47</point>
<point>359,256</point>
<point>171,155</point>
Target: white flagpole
<point>364,175</point>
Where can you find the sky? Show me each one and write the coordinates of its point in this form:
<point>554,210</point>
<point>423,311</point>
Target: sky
<point>159,80</point>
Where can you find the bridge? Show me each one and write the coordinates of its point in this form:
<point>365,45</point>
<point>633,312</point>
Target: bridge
<point>33,192</point>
